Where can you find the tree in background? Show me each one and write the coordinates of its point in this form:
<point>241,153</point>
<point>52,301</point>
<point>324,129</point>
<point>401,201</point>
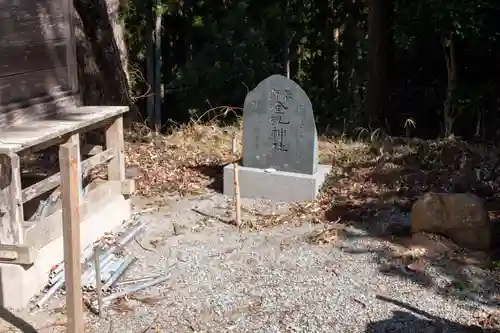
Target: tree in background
<point>364,64</point>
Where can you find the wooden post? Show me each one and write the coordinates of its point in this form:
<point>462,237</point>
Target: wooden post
<point>11,207</point>
<point>114,139</point>
<point>70,190</point>
<point>236,184</point>
<point>75,139</point>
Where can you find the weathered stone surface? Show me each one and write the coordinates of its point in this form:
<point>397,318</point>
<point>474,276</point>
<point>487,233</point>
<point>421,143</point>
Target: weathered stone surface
<point>279,129</point>
<point>460,216</point>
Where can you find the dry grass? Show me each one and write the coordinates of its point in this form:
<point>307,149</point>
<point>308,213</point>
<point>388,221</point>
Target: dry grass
<point>187,161</point>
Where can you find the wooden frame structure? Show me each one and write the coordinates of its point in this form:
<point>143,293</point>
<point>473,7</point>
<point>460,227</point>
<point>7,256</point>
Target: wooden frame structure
<point>23,237</point>
<point>40,107</point>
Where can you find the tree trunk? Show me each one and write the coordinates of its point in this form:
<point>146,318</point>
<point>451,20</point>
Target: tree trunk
<point>347,59</point>
<point>449,113</point>
<point>101,53</point>
<point>379,62</point>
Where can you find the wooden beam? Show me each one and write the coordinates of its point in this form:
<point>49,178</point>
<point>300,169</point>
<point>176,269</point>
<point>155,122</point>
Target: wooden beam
<point>91,150</point>
<point>16,204</point>
<point>114,140</point>
<point>17,254</point>
<point>70,191</point>
<point>38,132</point>
<point>11,208</point>
<point>42,232</point>
<point>53,181</point>
<point>75,140</point>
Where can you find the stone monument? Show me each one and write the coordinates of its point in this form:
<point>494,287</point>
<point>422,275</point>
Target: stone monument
<point>280,145</point>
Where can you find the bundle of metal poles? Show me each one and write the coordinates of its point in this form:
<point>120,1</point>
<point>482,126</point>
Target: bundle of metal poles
<point>111,267</point>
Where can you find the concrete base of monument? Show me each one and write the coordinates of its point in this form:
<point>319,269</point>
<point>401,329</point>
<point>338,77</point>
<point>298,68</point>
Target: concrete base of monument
<point>19,284</point>
<point>276,185</point>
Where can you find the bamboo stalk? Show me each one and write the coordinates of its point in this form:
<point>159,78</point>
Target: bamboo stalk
<point>237,199</point>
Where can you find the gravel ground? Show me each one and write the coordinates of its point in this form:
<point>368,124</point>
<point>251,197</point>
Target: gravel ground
<point>224,280</point>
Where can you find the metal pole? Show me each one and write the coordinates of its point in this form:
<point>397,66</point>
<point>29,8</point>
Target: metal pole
<point>119,272</point>
<point>135,288</point>
<point>98,281</point>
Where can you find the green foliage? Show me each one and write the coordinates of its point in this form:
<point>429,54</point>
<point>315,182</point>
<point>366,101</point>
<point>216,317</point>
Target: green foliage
<point>215,51</point>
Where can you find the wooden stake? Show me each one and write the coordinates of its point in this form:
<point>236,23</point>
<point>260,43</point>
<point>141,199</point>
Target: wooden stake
<point>98,286</point>
<point>70,180</point>
<point>237,198</point>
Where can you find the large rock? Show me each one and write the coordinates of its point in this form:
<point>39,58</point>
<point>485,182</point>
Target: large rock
<point>460,216</point>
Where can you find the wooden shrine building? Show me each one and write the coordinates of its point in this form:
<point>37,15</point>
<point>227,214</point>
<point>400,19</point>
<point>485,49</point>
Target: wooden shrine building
<point>39,108</point>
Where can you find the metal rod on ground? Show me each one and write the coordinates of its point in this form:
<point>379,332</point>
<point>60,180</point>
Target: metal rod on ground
<point>97,266</point>
<point>88,277</point>
<point>135,288</point>
<point>91,274</point>
<point>50,292</point>
<point>59,272</point>
<point>56,286</point>
<point>60,282</point>
<point>133,281</point>
<point>237,199</point>
<point>124,241</point>
<point>111,269</point>
<point>119,272</point>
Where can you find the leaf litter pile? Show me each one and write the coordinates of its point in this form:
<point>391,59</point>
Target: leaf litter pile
<point>186,162</point>
<point>363,181</point>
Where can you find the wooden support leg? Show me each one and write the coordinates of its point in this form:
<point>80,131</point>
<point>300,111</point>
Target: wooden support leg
<point>75,140</point>
<point>114,139</point>
<point>11,208</point>
<point>69,159</point>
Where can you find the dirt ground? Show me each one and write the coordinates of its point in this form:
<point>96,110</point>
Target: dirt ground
<point>344,263</point>
<point>293,277</point>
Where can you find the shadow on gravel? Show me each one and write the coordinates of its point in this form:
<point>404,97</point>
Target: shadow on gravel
<point>376,197</point>
<point>15,321</point>
<point>430,261</point>
<point>215,173</point>
<point>416,320</point>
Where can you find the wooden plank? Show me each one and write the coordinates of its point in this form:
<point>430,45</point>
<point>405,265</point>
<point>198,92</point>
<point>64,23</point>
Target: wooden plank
<point>11,209</point>
<point>30,85</point>
<point>35,108</point>
<point>21,59</point>
<point>38,132</point>
<point>12,218</point>
<point>75,140</point>
<point>70,191</point>
<point>17,254</point>
<point>43,232</point>
<point>114,140</point>
<point>31,21</point>
<point>6,231</point>
<point>91,150</point>
<point>16,204</point>
<point>53,181</point>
